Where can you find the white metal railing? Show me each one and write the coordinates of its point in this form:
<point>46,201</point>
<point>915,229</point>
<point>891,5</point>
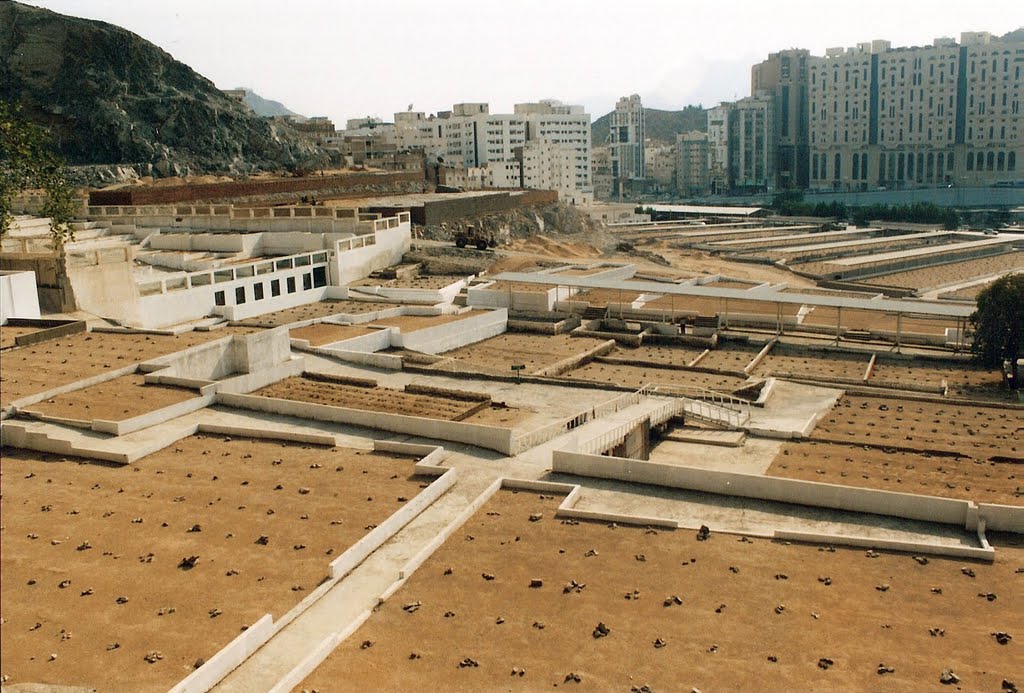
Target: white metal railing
<point>707,404</point>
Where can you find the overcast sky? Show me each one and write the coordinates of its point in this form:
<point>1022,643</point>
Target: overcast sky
<point>347,59</point>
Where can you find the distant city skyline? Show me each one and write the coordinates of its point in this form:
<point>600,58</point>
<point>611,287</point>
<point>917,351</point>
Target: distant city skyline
<point>323,58</point>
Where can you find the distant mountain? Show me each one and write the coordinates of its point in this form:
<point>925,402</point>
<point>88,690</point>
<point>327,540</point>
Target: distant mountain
<point>266,107</point>
<point>109,96</point>
<point>659,125</point>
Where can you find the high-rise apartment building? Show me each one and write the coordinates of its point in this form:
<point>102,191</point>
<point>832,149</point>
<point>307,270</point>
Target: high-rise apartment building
<point>692,163</point>
<point>784,77</point>
<point>751,144</point>
<point>718,149</point>
<point>897,118</point>
<point>562,125</point>
<point>626,139</point>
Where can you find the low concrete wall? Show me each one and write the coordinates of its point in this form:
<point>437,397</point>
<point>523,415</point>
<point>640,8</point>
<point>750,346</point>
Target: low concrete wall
<point>448,336</point>
<point>490,437</point>
<point>159,416</point>
<point>888,503</point>
<point>249,382</point>
<point>358,552</point>
<point>224,662</point>
<point>576,360</point>
<point>48,329</point>
<point>70,387</point>
<point>1002,518</point>
<point>980,553</point>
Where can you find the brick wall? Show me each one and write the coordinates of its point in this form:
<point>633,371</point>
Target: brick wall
<point>252,188</point>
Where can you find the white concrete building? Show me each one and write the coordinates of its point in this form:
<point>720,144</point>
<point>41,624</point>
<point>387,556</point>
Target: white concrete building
<point>554,123</point>
<point>626,137</point>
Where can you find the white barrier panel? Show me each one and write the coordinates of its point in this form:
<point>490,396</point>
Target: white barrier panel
<point>452,335</point>
<point>985,554</point>
<point>159,416</point>
<point>1002,518</point>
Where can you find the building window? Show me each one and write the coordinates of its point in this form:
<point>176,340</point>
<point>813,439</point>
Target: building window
<point>839,165</point>
<point>307,281</point>
<point>257,291</point>
<point>275,287</point>
<point>218,298</point>
<point>319,277</point>
<point>1011,161</point>
<point>239,295</point>
<point>1000,161</point>
<point>991,161</point>
<point>291,284</point>
<point>970,161</point>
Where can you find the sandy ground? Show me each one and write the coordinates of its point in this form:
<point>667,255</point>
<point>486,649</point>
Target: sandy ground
<point>876,320</point>
<point>320,309</point>
<point>906,472</point>
<point>970,292</point>
<point>602,297</point>
<point>411,323</point>
<point>812,364</point>
<point>963,379</point>
<point>975,432</point>
<point>546,246</point>
<point>751,615</point>
<point>677,354</point>
<point>41,367</point>
<point>947,274</point>
<point>514,348</point>
<point>116,532</point>
<point>700,262</point>
<point>638,376</point>
<point>386,400</point>
<point>114,400</point>
<point>730,357</point>
<point>326,333</point>
<point>8,333</point>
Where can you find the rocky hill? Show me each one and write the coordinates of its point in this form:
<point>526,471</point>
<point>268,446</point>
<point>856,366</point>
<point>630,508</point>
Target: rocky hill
<point>659,125</point>
<point>266,107</point>
<point>111,97</point>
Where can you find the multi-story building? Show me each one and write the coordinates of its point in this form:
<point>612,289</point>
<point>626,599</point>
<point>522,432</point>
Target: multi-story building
<point>751,145</point>
<point>626,139</point>
<point>784,76</point>
<point>718,149</point>
<point>660,162</point>
<point>552,167</point>
<point>413,130</point>
<point>601,170</point>
<point>917,117</point>
<point>691,163</point>
<point>558,124</point>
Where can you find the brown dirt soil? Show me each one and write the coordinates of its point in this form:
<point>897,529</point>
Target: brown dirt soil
<point>677,354</point>
<point>326,333</point>
<point>877,320</point>
<point>368,398</point>
<point>114,400</point>
<point>720,636</point>
<point>638,376</point>
<point>820,365</point>
<point>700,262</point>
<point>602,297</point>
<point>906,472</point>
<point>411,323</point>
<point>320,309</point>
<point>963,379</point>
<point>41,367</point>
<point>974,432</point>
<point>945,274</point>
<point>970,292</point>
<point>225,487</point>
<point>8,333</point>
<point>729,357</point>
<point>532,350</point>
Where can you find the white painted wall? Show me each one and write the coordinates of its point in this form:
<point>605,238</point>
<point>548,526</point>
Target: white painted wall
<point>18,297</point>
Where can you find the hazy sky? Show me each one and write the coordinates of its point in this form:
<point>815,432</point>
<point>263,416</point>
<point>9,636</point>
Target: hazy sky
<point>348,59</point>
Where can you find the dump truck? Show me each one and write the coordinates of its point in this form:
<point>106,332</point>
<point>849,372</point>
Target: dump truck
<point>476,237</point>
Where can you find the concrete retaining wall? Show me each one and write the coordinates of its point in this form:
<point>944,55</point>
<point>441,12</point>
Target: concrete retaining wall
<point>576,360</point>
<point>159,416</point>
<point>490,437</point>
<point>888,503</point>
<point>448,336</point>
<point>250,382</point>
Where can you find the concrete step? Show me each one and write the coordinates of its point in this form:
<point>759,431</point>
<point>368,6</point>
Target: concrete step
<point>703,436</point>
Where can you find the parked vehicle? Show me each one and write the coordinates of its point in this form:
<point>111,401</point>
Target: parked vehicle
<point>476,237</point>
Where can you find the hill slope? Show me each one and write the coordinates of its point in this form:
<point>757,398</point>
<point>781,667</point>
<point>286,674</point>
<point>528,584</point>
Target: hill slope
<point>266,107</point>
<point>660,125</point>
<point>111,97</point>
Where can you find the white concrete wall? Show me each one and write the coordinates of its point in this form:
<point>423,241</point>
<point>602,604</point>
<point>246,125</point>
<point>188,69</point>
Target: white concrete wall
<point>490,437</point>
<point>18,297</point>
<point>927,508</point>
<point>452,335</point>
<point>357,263</point>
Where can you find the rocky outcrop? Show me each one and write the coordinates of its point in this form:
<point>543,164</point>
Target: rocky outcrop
<point>111,97</point>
